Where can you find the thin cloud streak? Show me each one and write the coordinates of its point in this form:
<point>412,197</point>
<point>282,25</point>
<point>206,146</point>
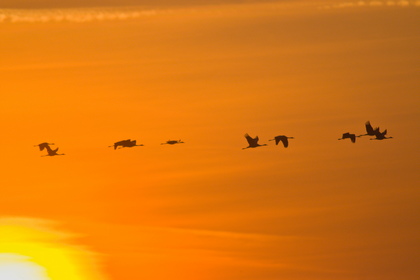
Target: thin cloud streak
<point>374,3</point>
<point>86,15</point>
<point>74,15</point>
<point>218,233</point>
<point>52,66</point>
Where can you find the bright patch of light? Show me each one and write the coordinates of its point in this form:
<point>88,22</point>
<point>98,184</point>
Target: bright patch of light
<point>16,267</point>
<point>32,249</point>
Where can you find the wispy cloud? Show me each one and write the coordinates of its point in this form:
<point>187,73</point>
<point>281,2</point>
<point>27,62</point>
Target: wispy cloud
<point>95,14</point>
<point>72,15</point>
<point>222,234</point>
<point>374,3</point>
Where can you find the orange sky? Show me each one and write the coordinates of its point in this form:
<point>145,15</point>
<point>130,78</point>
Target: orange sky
<point>321,209</point>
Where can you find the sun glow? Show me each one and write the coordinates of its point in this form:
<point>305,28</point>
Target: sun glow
<point>31,250</point>
<point>15,267</point>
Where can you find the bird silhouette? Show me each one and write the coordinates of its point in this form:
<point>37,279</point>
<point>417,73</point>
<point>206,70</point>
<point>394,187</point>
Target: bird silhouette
<point>350,136</point>
<point>172,142</point>
<point>381,135</point>
<point>42,146</point>
<point>125,144</point>
<point>50,151</point>
<point>252,142</point>
<point>283,139</point>
<point>369,130</point>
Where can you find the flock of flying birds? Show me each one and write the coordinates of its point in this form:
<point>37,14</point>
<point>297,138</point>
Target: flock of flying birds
<point>252,142</point>
<point>369,132</point>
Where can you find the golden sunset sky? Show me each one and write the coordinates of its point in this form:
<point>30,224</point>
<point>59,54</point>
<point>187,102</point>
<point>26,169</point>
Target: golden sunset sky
<point>85,74</point>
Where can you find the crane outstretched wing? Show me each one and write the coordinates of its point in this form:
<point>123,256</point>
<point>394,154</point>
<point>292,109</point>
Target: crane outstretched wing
<point>249,139</point>
<point>285,142</point>
<point>369,128</point>
<point>283,139</point>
